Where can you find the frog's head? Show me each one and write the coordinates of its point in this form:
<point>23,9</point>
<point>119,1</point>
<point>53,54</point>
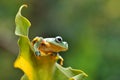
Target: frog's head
<point>54,44</point>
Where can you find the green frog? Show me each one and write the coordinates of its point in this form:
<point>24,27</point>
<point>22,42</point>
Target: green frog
<point>49,46</point>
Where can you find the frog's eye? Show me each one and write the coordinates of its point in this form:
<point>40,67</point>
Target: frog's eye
<point>58,39</point>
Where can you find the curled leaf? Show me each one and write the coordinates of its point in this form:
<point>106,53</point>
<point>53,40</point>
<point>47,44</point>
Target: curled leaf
<point>22,23</point>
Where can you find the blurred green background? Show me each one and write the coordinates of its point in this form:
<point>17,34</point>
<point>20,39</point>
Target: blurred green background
<point>91,27</point>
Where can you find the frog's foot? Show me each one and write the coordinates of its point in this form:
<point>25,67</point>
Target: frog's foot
<point>58,57</point>
<point>61,60</point>
<point>37,53</point>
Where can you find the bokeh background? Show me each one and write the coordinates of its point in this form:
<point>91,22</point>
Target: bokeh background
<point>91,27</point>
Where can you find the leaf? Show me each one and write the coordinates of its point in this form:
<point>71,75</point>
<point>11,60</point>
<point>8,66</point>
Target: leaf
<point>22,23</point>
<point>38,68</point>
<point>62,73</point>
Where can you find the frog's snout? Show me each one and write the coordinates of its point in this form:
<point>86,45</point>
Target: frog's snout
<point>66,45</point>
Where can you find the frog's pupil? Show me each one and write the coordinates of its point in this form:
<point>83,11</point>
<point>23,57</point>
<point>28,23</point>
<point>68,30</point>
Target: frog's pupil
<point>59,39</point>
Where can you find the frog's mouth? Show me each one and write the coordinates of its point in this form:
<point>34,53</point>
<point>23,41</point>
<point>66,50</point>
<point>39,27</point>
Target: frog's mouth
<point>53,47</point>
<point>57,48</point>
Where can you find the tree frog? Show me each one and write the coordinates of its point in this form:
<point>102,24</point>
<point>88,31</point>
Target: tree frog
<point>49,46</point>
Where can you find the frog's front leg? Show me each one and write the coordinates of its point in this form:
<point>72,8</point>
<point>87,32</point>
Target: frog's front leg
<point>61,59</point>
<point>58,57</point>
<point>36,44</point>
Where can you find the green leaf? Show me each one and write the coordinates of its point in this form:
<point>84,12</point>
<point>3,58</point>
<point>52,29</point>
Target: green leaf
<point>62,73</point>
<point>22,23</point>
<point>38,68</point>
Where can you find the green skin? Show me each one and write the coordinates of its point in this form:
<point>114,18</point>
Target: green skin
<point>59,44</point>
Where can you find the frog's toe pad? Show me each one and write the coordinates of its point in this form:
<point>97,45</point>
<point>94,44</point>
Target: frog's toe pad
<point>37,53</point>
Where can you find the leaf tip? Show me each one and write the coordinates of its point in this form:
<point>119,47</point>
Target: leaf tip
<point>24,5</point>
<point>85,74</point>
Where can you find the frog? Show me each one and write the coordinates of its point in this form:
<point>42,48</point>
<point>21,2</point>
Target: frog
<point>49,47</point>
